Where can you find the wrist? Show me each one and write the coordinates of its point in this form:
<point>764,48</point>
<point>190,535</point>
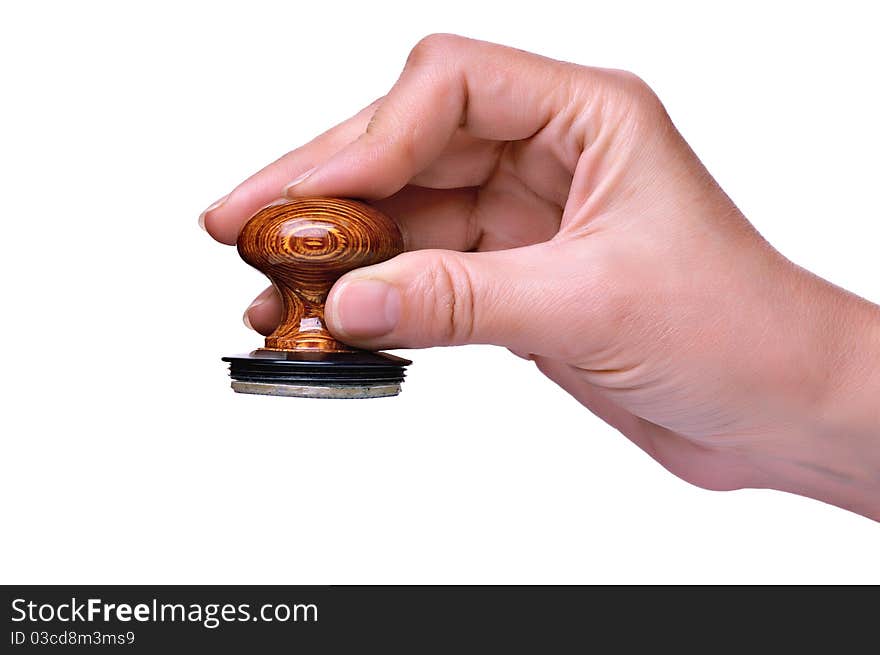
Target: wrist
<point>852,401</point>
<point>831,447</point>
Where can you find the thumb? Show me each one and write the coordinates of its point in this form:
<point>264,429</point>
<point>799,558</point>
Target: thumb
<point>442,298</point>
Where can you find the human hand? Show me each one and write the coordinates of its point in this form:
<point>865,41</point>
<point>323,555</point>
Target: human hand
<point>555,210</point>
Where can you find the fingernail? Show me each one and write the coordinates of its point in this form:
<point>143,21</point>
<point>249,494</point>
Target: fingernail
<point>211,208</point>
<point>299,179</point>
<point>259,300</point>
<point>367,308</point>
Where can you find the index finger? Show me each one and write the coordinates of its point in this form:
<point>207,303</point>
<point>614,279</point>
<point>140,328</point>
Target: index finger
<point>224,219</point>
<point>449,83</point>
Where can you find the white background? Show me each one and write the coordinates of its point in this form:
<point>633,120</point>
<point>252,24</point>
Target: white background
<point>127,459</point>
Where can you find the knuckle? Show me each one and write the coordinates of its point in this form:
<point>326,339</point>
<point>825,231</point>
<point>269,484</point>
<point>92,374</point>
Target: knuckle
<point>447,300</point>
<point>632,83</point>
<point>432,48</point>
<point>630,79</point>
<point>637,95</point>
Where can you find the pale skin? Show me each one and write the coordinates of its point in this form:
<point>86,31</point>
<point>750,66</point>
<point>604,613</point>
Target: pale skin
<point>555,210</point>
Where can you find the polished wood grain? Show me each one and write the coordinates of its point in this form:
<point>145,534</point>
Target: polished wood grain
<point>303,246</point>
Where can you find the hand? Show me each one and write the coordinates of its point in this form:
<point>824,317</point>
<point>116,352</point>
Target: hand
<point>555,210</point>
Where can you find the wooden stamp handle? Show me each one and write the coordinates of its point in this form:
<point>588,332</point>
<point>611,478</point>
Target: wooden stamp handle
<point>303,246</point>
